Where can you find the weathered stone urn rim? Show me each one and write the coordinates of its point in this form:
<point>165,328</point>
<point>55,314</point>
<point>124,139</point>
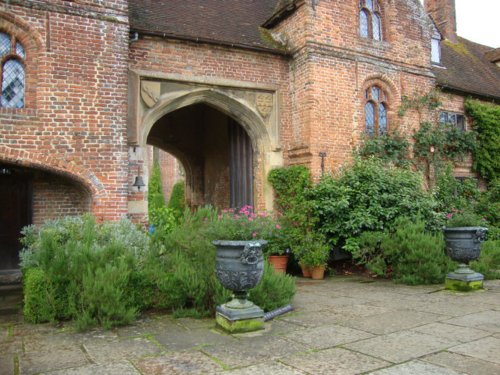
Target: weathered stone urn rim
<point>237,242</point>
<point>452,229</point>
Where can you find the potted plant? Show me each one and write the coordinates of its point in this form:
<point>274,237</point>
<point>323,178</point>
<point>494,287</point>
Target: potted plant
<point>463,235</point>
<point>313,255</point>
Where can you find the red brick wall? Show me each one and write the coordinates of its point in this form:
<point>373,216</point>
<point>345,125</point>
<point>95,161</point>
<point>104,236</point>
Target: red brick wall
<point>76,99</point>
<point>55,197</point>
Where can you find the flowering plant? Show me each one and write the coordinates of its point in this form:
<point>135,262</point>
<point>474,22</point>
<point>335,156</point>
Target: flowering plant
<point>464,218</point>
<point>245,224</point>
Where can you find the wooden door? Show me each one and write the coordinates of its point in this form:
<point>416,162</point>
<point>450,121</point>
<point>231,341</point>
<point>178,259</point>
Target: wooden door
<point>15,213</point>
<point>240,166</point>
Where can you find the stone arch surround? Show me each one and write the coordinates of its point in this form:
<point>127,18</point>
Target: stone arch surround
<point>267,154</point>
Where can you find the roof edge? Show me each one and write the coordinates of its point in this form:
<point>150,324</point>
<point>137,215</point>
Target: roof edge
<point>468,92</point>
<point>282,13</point>
<point>199,40</point>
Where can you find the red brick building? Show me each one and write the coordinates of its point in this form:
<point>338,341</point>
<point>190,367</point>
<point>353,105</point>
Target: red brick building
<point>232,89</point>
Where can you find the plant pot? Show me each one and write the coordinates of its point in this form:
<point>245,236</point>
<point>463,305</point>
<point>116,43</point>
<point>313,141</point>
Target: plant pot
<point>463,244</point>
<point>278,262</point>
<point>306,270</point>
<point>318,272</point>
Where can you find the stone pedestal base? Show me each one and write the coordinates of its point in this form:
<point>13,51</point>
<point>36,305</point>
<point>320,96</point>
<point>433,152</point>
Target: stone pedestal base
<point>240,320</point>
<point>464,282</point>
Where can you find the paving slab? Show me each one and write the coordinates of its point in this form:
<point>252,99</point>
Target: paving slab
<point>416,368</point>
<point>34,363</point>
<point>463,364</point>
<point>452,332</point>
<point>401,346</point>
<point>184,339</point>
<point>487,349</point>
<point>108,351</point>
<point>6,364</point>
<point>392,321</point>
<point>12,346</point>
<point>253,350</point>
<point>113,369</point>
<point>327,336</point>
<point>271,368</point>
<point>334,361</point>
<point>486,320</point>
<point>50,342</point>
<point>184,363</point>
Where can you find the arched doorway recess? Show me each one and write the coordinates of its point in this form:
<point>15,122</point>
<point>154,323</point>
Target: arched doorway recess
<point>216,152</point>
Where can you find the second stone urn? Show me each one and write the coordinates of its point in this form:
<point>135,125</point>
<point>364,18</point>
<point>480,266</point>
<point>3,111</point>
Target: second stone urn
<point>239,267</point>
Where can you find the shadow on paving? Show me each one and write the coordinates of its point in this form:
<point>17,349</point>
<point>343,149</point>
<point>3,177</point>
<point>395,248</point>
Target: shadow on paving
<point>342,325</point>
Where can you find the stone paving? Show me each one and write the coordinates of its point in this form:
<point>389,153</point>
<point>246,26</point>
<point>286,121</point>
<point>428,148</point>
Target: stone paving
<point>342,325</point>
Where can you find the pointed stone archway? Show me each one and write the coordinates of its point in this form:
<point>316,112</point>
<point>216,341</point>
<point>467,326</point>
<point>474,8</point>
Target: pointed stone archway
<point>259,155</point>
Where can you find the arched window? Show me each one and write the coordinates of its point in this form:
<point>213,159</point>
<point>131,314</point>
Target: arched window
<point>375,111</point>
<point>12,74</point>
<point>370,21</point>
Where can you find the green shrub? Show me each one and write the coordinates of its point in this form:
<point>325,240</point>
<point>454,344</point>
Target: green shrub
<point>409,255</point>
<point>489,203</point>
<point>452,194</point>
<point>155,190</point>
<point>489,261</point>
<point>87,267</point>
<point>38,297</point>
<point>275,290</point>
<point>177,201</point>
<point>390,147</point>
<point>486,120</point>
<point>368,196</point>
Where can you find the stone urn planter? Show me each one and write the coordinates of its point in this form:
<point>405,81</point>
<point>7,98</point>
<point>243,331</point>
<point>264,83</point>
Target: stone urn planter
<point>463,244</point>
<point>239,267</point>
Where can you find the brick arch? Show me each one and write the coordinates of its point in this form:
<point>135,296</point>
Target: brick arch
<point>55,165</point>
<point>248,118</point>
<point>386,84</point>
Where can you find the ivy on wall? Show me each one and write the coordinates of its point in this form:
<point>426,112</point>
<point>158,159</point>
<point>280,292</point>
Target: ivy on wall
<point>486,124</point>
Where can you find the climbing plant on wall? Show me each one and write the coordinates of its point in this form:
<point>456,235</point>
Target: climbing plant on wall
<point>486,124</point>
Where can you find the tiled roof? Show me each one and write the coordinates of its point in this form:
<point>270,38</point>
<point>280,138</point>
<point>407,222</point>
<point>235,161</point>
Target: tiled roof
<point>233,22</point>
<point>468,69</point>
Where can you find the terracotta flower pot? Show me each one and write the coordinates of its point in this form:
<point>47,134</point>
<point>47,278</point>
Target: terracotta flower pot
<point>306,270</point>
<point>278,262</point>
<point>318,272</point>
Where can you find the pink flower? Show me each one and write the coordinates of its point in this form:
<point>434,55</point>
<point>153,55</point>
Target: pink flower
<point>278,226</point>
<point>449,216</point>
<point>250,218</point>
<point>254,234</point>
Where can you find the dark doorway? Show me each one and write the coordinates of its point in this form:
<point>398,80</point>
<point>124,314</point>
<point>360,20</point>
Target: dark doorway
<point>240,166</point>
<point>15,213</point>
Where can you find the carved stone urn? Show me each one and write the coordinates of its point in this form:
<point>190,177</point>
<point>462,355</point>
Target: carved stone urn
<point>239,267</point>
<point>463,244</point>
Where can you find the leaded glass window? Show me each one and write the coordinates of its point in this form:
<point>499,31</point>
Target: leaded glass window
<point>370,20</point>
<point>370,118</point>
<point>364,30</point>
<point>12,74</point>
<point>455,119</point>
<point>376,122</point>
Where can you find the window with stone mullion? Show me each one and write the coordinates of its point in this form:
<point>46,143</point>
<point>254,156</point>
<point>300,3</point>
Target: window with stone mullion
<point>370,21</point>
<point>12,72</point>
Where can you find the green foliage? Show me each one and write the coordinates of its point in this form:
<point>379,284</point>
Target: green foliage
<point>465,219</point>
<point>486,124</point>
<point>87,269</point>
<point>275,290</point>
<point>177,201</point>
<point>437,142</point>
<point>390,147</point>
<point>314,250</point>
<point>452,194</point>
<point>489,203</point>
<point>489,261</point>
<point>418,102</point>
<point>297,218</point>
<point>367,196</point>
<point>155,189</point>
<point>409,254</point>
<point>38,297</point>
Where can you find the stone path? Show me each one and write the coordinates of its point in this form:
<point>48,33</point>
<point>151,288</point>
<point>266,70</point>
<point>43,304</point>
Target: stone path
<point>340,326</point>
